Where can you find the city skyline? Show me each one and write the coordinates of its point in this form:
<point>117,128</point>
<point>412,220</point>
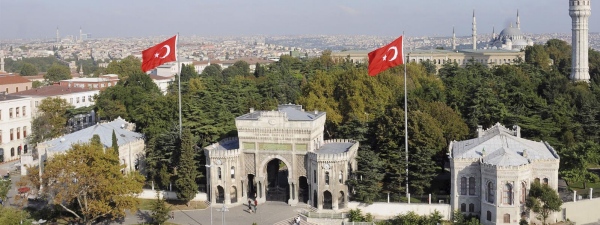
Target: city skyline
<point>39,19</point>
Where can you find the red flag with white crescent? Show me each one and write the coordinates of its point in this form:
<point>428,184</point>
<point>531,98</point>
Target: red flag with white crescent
<point>386,57</point>
<point>159,54</point>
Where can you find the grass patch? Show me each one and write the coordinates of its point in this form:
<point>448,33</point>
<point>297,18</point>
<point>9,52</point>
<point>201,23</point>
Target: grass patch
<point>146,204</point>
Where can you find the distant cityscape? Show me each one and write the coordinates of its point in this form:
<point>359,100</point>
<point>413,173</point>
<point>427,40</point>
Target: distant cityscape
<point>104,50</point>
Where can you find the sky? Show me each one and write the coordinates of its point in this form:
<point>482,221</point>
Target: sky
<point>142,18</point>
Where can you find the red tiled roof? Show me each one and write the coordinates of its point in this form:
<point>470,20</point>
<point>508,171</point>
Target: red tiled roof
<point>13,79</point>
<point>53,90</point>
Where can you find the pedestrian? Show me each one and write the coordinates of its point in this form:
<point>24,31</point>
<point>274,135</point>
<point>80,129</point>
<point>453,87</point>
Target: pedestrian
<point>255,205</point>
<point>297,220</point>
<point>250,205</point>
<point>173,215</point>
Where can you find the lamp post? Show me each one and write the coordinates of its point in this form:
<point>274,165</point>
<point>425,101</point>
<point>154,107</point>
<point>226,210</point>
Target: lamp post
<point>223,209</point>
<point>209,193</point>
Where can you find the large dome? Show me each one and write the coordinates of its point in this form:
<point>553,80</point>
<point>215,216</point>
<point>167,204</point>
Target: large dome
<point>511,32</point>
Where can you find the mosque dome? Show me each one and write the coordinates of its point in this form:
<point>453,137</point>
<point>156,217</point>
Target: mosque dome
<point>512,33</point>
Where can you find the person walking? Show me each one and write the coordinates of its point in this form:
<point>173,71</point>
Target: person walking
<point>255,205</point>
<point>172,215</point>
<point>297,220</point>
<point>250,205</point>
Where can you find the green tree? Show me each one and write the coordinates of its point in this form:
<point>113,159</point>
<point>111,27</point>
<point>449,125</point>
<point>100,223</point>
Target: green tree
<point>4,188</point>
<point>57,72</point>
<point>89,183</point>
<point>115,144</point>
<point>213,70</point>
<point>576,160</point>
<point>160,210</point>
<point>126,67</point>
<point>37,84</point>
<point>28,69</point>
<point>14,216</point>
<point>51,119</point>
<point>543,200</point>
<point>366,181</point>
<point>186,169</point>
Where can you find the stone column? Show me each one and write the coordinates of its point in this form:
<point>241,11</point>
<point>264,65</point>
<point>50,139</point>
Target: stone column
<point>591,192</point>
<point>574,196</point>
<point>227,194</point>
<point>293,200</point>
<point>334,201</point>
<point>260,189</point>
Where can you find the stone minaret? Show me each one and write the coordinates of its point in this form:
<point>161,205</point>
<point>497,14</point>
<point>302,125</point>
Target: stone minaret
<point>80,34</point>
<point>57,36</point>
<point>493,32</point>
<point>474,32</point>
<point>580,11</point>
<point>453,40</point>
<point>518,21</point>
<point>1,60</point>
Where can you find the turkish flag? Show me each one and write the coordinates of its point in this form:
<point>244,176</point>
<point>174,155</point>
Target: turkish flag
<point>386,57</point>
<point>159,54</point>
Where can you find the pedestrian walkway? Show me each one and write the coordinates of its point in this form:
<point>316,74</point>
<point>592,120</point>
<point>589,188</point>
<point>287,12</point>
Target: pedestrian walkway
<point>291,221</point>
<point>267,214</point>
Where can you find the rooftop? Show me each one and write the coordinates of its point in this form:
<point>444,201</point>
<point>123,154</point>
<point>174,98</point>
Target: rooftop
<point>334,147</point>
<point>12,79</point>
<point>4,97</point>
<point>291,111</point>
<point>53,90</point>
<point>104,130</point>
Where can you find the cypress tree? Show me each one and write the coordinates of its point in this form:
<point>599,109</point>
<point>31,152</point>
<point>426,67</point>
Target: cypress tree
<point>186,169</point>
<point>115,146</point>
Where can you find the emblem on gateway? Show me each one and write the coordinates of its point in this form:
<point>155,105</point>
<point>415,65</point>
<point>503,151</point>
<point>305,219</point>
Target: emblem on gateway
<point>326,166</point>
<point>218,162</point>
<point>272,122</point>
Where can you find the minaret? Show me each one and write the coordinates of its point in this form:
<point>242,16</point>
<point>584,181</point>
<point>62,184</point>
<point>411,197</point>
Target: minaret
<point>518,21</point>
<point>580,11</point>
<point>474,32</point>
<point>57,36</point>
<point>493,32</point>
<point>453,39</point>
<point>1,60</point>
<point>80,34</point>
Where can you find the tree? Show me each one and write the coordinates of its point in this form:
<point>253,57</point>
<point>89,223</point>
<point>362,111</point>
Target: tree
<point>14,216</point>
<point>4,188</point>
<point>37,84</point>
<point>125,68</point>
<point>51,119</point>
<point>160,211</point>
<point>186,169</point>
<point>90,184</point>
<point>575,161</point>
<point>543,200</point>
<point>366,182</point>
<point>57,72</point>
<point>28,69</point>
<point>115,145</point>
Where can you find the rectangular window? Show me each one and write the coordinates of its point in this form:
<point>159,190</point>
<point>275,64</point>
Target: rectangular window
<point>83,99</point>
<point>17,111</point>
<point>463,185</point>
<point>471,185</point>
<point>36,103</point>
<point>10,114</point>
<point>24,132</point>
<point>0,136</point>
<point>18,133</point>
<point>0,116</point>
<point>77,99</point>
<point>24,110</point>
<point>11,134</point>
<point>314,176</point>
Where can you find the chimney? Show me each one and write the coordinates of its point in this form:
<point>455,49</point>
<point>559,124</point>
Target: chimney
<point>479,130</point>
<point>251,110</point>
<point>517,131</point>
<point>316,112</point>
<point>525,153</point>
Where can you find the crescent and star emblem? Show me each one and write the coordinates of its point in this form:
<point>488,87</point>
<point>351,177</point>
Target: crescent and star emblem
<point>166,54</point>
<point>395,54</point>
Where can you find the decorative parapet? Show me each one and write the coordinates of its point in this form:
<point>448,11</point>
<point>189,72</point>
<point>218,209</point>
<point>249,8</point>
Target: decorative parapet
<point>218,150</point>
<point>336,157</point>
<point>516,132</point>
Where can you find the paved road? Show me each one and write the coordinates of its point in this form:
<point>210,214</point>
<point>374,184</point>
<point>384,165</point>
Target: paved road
<point>267,214</point>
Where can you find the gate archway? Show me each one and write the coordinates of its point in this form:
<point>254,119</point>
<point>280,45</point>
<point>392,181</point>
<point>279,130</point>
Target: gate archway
<point>277,187</point>
<point>327,200</point>
<point>220,194</point>
<point>303,190</point>
<point>233,194</point>
<point>341,200</point>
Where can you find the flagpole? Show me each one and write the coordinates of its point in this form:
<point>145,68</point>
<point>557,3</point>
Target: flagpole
<point>405,118</point>
<point>178,81</point>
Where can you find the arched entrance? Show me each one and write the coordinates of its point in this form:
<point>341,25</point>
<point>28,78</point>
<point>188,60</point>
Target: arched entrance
<point>341,200</point>
<point>220,194</point>
<point>327,200</point>
<point>277,181</point>
<point>251,187</point>
<point>303,193</point>
<point>315,201</point>
<point>233,194</point>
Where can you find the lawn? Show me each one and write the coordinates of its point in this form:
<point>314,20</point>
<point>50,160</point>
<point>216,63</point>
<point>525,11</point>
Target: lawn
<point>146,204</point>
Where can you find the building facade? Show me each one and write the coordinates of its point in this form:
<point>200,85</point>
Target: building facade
<point>10,83</point>
<point>491,174</point>
<point>15,125</point>
<point>281,156</point>
<point>95,83</point>
<point>76,96</point>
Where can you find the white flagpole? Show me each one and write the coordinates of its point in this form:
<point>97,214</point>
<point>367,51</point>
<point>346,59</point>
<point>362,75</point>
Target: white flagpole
<point>405,117</point>
<point>178,81</point>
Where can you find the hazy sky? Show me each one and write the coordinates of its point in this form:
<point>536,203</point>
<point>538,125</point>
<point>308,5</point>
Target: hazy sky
<point>139,18</point>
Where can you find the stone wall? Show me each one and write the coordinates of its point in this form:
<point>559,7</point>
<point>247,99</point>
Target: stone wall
<point>151,194</point>
<point>382,210</point>
<point>583,211</point>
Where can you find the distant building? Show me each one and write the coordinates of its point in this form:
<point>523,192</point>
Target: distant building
<point>491,174</point>
<point>93,83</point>
<point>15,125</point>
<point>11,83</point>
<point>78,97</point>
<point>131,144</point>
<point>162,82</point>
<point>281,156</point>
<point>511,38</point>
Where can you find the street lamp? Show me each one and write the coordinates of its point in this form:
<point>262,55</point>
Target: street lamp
<point>223,209</point>
<point>209,193</point>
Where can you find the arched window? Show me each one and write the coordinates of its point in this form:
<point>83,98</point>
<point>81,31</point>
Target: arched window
<point>24,132</point>
<point>489,216</point>
<point>314,176</point>
<point>219,173</point>
<point>537,180</point>
<point>546,181</point>
<point>471,185</point>
<point>327,178</point>
<point>232,172</point>
<point>12,152</point>
<point>24,110</point>
<point>463,207</point>
<point>471,207</point>
<point>463,185</point>
<point>523,192</point>
<point>507,218</point>
<point>490,192</point>
<point>507,196</point>
<point>18,133</point>
<point>341,177</point>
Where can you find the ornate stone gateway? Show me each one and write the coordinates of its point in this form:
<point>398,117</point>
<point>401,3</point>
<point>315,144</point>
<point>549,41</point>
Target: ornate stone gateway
<point>281,156</point>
